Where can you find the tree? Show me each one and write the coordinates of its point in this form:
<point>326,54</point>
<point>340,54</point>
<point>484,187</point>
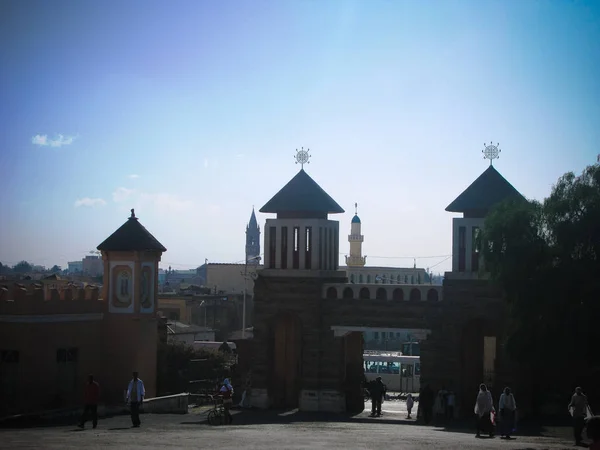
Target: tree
<point>22,267</point>
<point>546,258</point>
<point>55,269</point>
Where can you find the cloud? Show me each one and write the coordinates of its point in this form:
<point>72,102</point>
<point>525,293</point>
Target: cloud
<point>121,194</point>
<point>43,141</point>
<point>133,176</point>
<point>89,202</point>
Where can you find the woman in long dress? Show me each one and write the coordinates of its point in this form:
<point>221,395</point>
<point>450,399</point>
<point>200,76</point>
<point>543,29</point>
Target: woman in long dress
<point>508,409</point>
<point>484,407</point>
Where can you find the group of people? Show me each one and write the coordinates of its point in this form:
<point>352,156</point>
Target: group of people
<point>486,412</point>
<point>134,397</point>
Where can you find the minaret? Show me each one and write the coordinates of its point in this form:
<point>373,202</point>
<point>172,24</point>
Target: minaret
<point>253,240</point>
<point>356,239</point>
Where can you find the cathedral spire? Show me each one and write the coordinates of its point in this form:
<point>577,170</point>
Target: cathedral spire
<point>253,240</point>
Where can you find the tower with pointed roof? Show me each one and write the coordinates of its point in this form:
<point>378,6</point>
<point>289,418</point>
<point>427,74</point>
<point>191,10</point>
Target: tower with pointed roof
<point>302,237</point>
<point>355,238</point>
<point>130,287</point>
<point>253,240</point>
<point>475,202</point>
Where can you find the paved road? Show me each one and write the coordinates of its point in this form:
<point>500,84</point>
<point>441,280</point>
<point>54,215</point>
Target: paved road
<point>267,431</point>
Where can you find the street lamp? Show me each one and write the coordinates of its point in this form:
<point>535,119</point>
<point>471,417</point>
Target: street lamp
<point>253,275</point>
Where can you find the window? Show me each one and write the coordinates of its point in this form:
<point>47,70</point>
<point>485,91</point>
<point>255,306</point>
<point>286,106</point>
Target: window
<point>475,251</point>
<point>351,278</point>
<point>368,279</point>
<point>417,369</point>
<point>9,356</point>
<point>308,248</point>
<point>284,247</point>
<point>376,335</point>
<point>360,278</point>
<point>296,253</point>
<point>272,246</point>
<point>462,248</point>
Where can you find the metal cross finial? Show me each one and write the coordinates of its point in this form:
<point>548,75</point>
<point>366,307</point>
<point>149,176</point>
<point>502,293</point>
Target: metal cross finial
<point>302,157</point>
<point>132,214</point>
<point>356,209</point>
<point>491,152</point>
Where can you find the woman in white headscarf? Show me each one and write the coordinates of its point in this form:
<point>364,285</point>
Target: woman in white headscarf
<point>226,392</point>
<point>484,407</point>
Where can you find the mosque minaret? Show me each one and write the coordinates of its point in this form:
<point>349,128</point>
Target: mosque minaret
<point>355,259</point>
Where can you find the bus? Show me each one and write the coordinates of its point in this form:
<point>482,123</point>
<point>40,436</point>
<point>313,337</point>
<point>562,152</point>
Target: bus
<point>400,373</point>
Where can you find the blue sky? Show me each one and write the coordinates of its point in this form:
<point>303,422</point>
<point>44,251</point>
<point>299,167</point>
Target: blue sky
<point>191,112</point>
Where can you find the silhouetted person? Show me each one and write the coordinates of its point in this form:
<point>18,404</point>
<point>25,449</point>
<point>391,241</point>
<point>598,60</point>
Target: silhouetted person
<point>484,407</point>
<point>426,400</point>
<point>91,396</point>
<point>135,397</point>
<point>508,410</point>
<point>578,408</point>
<point>377,391</point>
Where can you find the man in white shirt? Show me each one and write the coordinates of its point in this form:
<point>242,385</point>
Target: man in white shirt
<point>135,397</point>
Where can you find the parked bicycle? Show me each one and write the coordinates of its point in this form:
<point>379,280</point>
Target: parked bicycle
<point>217,416</point>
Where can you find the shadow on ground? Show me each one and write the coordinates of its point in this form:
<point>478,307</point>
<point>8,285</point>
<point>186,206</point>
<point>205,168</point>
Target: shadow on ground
<point>530,428</point>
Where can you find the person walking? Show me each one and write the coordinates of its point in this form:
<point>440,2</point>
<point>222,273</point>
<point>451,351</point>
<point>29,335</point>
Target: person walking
<point>135,397</point>
<point>409,404</point>
<point>484,407</point>
<point>377,391</point>
<point>91,396</point>
<point>508,410</point>
<point>578,408</point>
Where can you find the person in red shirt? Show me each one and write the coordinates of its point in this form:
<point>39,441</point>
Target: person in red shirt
<point>91,397</point>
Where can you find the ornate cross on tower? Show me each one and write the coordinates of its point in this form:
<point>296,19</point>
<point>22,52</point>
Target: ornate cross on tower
<point>302,157</point>
<point>491,152</point>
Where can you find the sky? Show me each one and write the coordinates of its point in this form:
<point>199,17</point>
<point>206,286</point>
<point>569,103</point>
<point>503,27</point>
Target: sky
<point>191,112</point>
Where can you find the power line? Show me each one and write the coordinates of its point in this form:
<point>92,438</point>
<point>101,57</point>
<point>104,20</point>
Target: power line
<point>404,257</point>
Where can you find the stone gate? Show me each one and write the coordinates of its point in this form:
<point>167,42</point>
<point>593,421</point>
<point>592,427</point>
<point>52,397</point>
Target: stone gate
<point>307,347</point>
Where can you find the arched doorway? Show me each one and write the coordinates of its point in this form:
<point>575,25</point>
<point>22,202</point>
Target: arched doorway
<point>348,293</point>
<point>398,295</point>
<point>364,294</point>
<point>432,295</point>
<point>332,292</point>
<point>381,294</point>
<point>287,361</point>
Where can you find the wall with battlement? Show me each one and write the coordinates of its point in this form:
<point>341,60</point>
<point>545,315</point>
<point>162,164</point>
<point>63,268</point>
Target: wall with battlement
<point>33,298</point>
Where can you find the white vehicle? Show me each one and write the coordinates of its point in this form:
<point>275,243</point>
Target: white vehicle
<point>398,372</point>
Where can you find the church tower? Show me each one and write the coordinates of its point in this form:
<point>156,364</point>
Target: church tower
<point>355,259</point>
<point>253,240</point>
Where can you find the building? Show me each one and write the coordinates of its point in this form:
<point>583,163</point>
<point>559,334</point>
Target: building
<point>75,267</point>
<point>49,346</point>
<point>253,241</point>
<point>93,266</point>
<point>307,349</point>
<point>187,334</point>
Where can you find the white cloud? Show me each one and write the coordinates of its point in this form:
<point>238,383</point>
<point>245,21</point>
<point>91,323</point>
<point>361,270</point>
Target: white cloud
<point>133,176</point>
<point>89,202</point>
<point>60,140</point>
<point>121,194</point>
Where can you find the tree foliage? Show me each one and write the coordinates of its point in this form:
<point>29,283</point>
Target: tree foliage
<point>22,267</point>
<point>546,257</point>
<point>181,368</point>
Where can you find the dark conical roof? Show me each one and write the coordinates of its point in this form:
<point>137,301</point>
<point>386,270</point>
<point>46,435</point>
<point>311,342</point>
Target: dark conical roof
<point>356,219</point>
<point>302,194</point>
<point>131,236</point>
<point>486,191</point>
